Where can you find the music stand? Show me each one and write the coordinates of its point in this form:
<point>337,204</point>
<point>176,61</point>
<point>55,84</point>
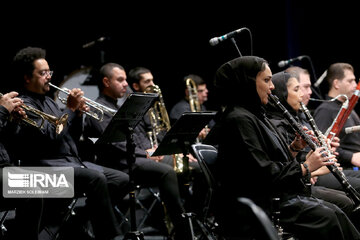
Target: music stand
<point>182,134</point>
<point>121,128</point>
<point>179,139</point>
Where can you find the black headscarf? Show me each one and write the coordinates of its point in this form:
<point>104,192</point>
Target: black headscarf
<point>280,81</point>
<point>235,82</point>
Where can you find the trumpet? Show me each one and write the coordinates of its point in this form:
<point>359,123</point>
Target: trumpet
<point>91,103</point>
<point>59,123</point>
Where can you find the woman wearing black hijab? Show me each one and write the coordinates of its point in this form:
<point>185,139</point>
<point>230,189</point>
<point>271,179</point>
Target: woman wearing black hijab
<point>259,164</point>
<point>287,89</point>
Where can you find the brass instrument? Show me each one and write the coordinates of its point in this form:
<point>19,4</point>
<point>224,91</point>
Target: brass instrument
<point>59,123</point>
<point>193,95</point>
<point>194,100</point>
<point>158,112</point>
<point>160,121</point>
<point>97,106</point>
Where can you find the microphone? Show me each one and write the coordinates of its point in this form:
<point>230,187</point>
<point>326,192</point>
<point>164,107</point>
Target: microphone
<point>216,40</point>
<point>92,43</point>
<point>284,63</point>
<point>352,129</point>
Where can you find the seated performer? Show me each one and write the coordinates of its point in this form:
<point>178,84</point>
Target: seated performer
<point>103,187</point>
<point>147,172</point>
<point>28,211</point>
<point>288,90</point>
<point>142,80</point>
<point>341,80</point>
<point>243,86</point>
<point>195,96</point>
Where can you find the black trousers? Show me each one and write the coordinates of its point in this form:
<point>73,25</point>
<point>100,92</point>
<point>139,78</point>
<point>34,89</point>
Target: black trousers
<point>193,187</point>
<point>27,216</point>
<point>337,197</point>
<point>329,180</point>
<point>103,187</point>
<point>147,172</point>
<point>306,217</point>
<point>312,218</point>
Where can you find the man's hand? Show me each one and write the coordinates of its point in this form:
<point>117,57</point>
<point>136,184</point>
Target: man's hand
<point>155,158</point>
<point>75,99</point>
<point>10,101</point>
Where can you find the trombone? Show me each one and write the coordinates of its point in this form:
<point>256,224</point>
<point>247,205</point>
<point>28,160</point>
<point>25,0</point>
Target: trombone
<point>59,123</point>
<point>99,107</point>
<point>193,97</point>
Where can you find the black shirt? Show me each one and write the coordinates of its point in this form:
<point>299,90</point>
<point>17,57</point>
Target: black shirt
<point>94,129</point>
<point>43,145</point>
<point>324,116</point>
<point>258,164</point>
<point>4,135</point>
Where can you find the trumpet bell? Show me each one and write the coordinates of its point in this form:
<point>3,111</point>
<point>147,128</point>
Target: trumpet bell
<point>61,123</point>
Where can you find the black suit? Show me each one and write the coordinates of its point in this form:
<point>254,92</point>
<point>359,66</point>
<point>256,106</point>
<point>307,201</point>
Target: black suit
<point>43,147</point>
<point>146,171</point>
<point>28,211</point>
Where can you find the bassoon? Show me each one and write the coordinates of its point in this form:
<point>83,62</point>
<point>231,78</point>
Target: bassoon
<point>339,175</point>
<point>339,121</point>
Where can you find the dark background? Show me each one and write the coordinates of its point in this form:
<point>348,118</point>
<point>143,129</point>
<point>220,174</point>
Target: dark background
<point>172,39</point>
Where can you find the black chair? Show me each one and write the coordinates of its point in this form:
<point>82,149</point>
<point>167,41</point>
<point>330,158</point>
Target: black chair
<point>4,216</point>
<point>206,156</point>
<point>257,217</point>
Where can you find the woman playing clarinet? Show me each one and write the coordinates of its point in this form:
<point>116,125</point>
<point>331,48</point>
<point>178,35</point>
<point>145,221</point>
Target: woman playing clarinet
<point>260,164</point>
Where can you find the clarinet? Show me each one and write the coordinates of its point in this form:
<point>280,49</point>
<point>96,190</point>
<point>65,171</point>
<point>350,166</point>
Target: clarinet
<point>313,125</point>
<point>339,175</point>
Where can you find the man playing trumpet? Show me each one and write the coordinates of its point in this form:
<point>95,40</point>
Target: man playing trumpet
<point>102,186</point>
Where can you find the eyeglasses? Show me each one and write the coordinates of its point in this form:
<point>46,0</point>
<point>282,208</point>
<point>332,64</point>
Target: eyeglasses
<point>45,73</point>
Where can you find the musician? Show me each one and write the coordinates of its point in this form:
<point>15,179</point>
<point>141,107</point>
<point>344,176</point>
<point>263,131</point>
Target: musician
<point>243,85</point>
<point>290,94</point>
<point>183,105</point>
<point>327,180</point>
<point>303,76</point>
<point>147,172</point>
<point>28,211</point>
<point>341,80</point>
<point>140,78</point>
<point>103,187</point>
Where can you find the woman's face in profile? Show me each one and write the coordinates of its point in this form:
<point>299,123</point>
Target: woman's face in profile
<point>264,85</point>
<point>295,94</point>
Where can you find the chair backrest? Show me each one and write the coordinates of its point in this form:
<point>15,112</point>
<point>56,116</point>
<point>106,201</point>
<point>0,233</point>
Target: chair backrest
<point>206,156</point>
<point>258,217</point>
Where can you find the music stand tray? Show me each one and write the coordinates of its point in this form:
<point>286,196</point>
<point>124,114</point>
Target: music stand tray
<point>183,133</point>
<point>128,116</point>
